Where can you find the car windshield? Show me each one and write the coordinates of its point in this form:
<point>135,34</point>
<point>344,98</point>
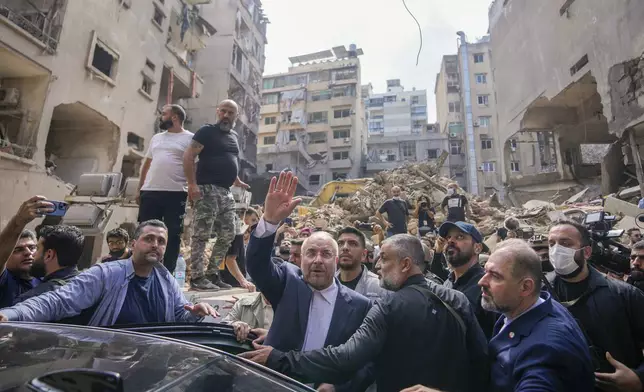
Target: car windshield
<point>145,363</point>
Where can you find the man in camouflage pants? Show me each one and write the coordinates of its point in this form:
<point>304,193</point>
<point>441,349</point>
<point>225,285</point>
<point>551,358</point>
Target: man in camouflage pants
<point>209,190</point>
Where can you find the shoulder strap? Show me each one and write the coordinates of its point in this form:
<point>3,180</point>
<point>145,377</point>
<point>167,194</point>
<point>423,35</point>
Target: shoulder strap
<point>454,313</point>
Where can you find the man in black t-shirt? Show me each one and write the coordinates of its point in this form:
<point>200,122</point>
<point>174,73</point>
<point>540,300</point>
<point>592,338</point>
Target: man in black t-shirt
<point>397,211</point>
<point>455,204</point>
<point>209,190</point>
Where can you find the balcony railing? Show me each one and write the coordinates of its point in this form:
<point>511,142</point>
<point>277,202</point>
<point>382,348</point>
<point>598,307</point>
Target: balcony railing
<point>36,24</point>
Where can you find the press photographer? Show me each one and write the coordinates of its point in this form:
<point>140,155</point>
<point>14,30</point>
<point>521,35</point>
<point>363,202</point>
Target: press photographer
<point>425,214</point>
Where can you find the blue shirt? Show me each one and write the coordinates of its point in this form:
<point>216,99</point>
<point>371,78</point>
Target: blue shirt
<point>143,302</point>
<point>11,286</point>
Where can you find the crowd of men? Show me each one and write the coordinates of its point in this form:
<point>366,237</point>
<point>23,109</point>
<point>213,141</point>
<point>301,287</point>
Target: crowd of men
<point>438,310</point>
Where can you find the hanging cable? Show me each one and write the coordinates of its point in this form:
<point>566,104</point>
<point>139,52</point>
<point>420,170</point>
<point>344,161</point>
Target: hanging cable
<point>420,31</point>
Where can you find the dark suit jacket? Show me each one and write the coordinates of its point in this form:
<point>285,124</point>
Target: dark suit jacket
<point>543,349</point>
<point>284,287</point>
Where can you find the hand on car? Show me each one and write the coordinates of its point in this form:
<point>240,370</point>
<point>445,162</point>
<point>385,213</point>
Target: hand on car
<point>261,335</point>
<point>3,318</point>
<point>260,355</point>
<point>201,310</point>
<point>326,388</point>
<point>241,330</point>
<point>279,203</point>
<point>248,286</point>
<point>33,208</point>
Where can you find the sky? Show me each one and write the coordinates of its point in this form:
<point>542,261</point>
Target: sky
<point>382,28</point>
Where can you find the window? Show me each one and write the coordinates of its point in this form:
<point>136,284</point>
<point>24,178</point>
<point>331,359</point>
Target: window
<point>318,117</point>
<point>338,155</point>
<point>378,117</point>
<point>486,144</point>
<point>269,166</point>
<point>269,83</point>
<point>321,95</point>
<point>342,134</point>
<point>146,85</point>
<point>345,74</point>
<point>270,120</point>
<point>319,76</point>
<point>135,141</point>
<point>455,148</point>
<point>270,99</point>
<point>346,91</point>
<point>514,166</point>
<point>375,102</point>
<point>481,78</point>
<point>408,150</point>
<point>391,98</point>
<point>419,110</point>
<point>315,179</point>
<point>341,113</point>
<point>432,154</point>
<point>513,144</point>
<point>158,17</point>
<point>454,107</point>
<point>483,100</point>
<point>478,57</point>
<point>339,176</point>
<point>103,61</point>
<point>291,136</point>
<point>317,137</point>
<point>150,64</point>
<point>488,167</point>
<point>415,99</point>
<point>484,121</point>
<point>268,140</point>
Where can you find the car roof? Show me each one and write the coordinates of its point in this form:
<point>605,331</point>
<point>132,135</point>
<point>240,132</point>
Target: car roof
<point>145,362</point>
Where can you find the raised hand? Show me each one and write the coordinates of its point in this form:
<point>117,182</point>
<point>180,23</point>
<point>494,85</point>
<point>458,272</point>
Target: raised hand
<point>279,202</point>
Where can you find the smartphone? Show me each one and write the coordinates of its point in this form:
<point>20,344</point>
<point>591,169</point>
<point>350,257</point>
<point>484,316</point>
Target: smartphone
<point>288,221</point>
<point>60,208</point>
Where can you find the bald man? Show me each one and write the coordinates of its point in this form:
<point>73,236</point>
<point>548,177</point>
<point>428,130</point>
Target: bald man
<point>397,210</point>
<point>209,191</point>
<point>312,309</point>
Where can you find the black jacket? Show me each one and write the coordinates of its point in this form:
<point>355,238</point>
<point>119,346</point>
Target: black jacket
<point>50,283</point>
<point>412,338</point>
<point>468,285</point>
<point>611,314</point>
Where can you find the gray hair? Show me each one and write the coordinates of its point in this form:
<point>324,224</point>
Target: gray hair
<point>525,261</point>
<point>639,245</point>
<point>28,234</point>
<point>407,245</point>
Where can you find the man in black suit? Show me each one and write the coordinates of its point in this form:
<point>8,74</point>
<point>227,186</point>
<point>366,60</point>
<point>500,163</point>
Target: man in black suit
<point>312,309</point>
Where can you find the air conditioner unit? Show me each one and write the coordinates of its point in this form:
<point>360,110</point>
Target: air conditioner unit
<point>99,184</point>
<point>347,140</point>
<point>9,97</point>
<point>477,124</point>
<point>482,167</point>
<point>453,134</point>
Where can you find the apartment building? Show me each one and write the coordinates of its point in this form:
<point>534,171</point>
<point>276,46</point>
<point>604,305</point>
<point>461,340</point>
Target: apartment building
<point>231,64</point>
<point>578,92</point>
<point>312,118</point>
<point>80,86</point>
<point>398,131</point>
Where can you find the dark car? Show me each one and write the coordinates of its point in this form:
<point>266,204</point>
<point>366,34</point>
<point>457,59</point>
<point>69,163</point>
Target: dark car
<point>39,357</point>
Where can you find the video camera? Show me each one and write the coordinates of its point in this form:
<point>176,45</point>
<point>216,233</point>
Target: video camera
<point>607,254</point>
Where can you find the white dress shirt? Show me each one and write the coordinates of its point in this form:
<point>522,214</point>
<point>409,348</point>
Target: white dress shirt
<point>507,321</point>
<point>322,302</point>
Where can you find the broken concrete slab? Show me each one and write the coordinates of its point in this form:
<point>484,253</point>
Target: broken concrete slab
<point>574,198</point>
<point>616,206</point>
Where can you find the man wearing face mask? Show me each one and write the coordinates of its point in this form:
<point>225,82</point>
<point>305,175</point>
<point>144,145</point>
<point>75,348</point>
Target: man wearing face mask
<point>608,311</point>
<point>636,277</point>
<point>209,189</point>
<point>454,206</point>
<point>162,186</point>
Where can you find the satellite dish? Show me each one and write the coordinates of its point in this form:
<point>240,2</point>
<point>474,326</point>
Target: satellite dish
<point>639,221</point>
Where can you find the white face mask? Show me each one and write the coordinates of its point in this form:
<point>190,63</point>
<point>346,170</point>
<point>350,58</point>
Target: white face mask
<point>450,191</point>
<point>563,259</point>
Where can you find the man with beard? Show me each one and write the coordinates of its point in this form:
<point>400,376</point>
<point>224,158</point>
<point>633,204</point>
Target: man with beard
<point>312,309</point>
<point>137,290</point>
<point>17,248</point>
<point>537,344</point>
<point>353,273</point>
<point>414,335</point>
<point>162,186</point>
<point>636,277</point>
<point>209,189</point>
<point>463,244</point>
<point>117,242</point>
<point>609,311</point>
<point>55,262</point>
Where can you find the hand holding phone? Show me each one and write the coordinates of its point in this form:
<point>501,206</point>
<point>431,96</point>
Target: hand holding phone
<point>60,208</point>
<point>35,207</point>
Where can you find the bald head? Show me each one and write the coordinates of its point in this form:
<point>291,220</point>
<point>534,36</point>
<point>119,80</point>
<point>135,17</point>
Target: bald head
<point>227,112</point>
<point>229,102</point>
<point>321,235</point>
<point>319,259</point>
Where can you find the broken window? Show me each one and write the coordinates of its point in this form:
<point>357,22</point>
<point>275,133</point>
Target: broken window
<point>342,134</point>
<point>315,179</point>
<point>146,85</point>
<point>514,166</point>
<point>150,64</point>
<point>268,167</point>
<point>432,154</point>
<point>408,150</point>
<point>455,148</point>
<point>158,17</point>
<point>135,141</point>
<point>483,100</point>
<point>346,91</point>
<point>479,57</point>
<point>268,140</point>
<point>270,120</point>
<point>486,144</point>
<point>319,76</point>
<point>318,117</point>
<point>454,107</point>
<point>338,155</point>
<point>317,137</point>
<point>103,59</point>
<point>342,113</point>
<point>481,78</point>
<point>488,167</point>
<point>340,176</point>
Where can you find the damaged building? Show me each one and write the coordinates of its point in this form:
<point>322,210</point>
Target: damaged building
<point>81,83</point>
<point>312,118</point>
<point>569,74</point>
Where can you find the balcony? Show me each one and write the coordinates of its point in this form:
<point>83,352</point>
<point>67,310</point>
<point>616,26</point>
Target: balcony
<point>275,149</point>
<point>340,122</point>
<point>343,142</point>
<point>343,101</point>
<point>272,108</point>
<point>341,164</point>
<point>43,23</point>
<point>380,166</point>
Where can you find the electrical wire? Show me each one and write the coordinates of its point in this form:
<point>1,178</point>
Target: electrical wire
<point>420,31</point>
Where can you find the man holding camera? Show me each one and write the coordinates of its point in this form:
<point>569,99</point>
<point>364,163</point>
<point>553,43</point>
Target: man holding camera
<point>425,215</point>
<point>609,311</point>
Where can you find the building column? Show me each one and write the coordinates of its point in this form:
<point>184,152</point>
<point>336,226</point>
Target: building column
<point>612,169</point>
<point>635,151</point>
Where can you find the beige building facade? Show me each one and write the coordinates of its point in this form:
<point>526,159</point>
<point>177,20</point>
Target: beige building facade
<point>312,118</point>
<point>573,71</point>
<point>80,88</point>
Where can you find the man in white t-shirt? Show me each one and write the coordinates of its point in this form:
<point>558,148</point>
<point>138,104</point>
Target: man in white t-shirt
<point>163,187</point>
